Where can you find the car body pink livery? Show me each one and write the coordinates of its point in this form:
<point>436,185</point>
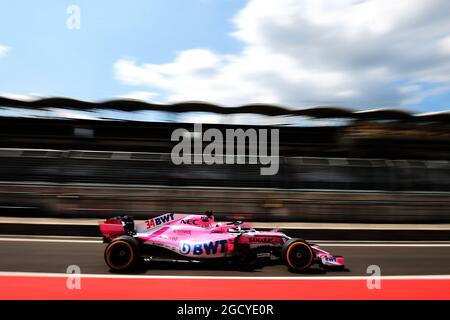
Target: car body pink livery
<point>197,238</point>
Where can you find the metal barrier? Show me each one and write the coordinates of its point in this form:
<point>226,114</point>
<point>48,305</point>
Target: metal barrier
<point>137,168</point>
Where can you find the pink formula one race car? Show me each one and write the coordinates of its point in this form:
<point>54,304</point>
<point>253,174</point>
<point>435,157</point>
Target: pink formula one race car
<point>197,238</point>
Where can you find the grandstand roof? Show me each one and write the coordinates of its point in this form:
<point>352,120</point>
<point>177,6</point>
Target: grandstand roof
<point>318,112</point>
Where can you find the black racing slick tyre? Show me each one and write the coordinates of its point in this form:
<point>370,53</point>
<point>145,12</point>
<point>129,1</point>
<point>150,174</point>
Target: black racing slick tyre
<point>297,254</point>
<point>122,254</point>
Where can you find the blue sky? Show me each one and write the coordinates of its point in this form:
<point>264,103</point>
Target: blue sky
<point>231,52</point>
<point>45,57</point>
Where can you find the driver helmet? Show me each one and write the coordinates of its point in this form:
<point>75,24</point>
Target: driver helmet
<point>209,217</point>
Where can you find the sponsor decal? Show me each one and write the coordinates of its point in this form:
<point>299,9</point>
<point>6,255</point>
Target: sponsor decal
<point>159,220</point>
<point>163,245</point>
<point>260,240</point>
<point>329,259</point>
<point>189,221</point>
<point>211,247</point>
<point>180,232</point>
<point>185,248</point>
<point>171,238</point>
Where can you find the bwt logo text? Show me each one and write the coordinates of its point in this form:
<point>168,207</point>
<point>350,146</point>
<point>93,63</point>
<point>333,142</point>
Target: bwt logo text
<point>190,149</point>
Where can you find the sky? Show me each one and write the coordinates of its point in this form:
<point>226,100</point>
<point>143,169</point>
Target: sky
<point>293,53</point>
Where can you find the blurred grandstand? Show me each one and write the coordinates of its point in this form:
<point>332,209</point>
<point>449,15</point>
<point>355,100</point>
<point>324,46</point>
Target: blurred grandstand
<point>365,153</point>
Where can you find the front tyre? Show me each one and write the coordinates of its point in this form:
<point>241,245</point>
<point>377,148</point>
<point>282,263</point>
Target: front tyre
<point>122,253</point>
<point>297,254</point>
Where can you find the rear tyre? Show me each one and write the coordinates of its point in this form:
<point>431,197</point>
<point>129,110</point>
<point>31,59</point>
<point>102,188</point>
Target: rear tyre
<point>122,254</point>
<point>297,254</point>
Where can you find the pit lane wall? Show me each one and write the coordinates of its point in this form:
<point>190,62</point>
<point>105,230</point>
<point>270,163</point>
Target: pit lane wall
<point>98,201</point>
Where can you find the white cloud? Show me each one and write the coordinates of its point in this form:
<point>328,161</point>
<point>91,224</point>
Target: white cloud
<point>20,96</point>
<point>4,50</point>
<point>71,114</point>
<point>312,52</point>
<point>140,95</point>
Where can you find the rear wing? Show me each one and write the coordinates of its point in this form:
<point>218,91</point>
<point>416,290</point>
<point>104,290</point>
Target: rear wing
<point>125,225</point>
<point>115,227</point>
